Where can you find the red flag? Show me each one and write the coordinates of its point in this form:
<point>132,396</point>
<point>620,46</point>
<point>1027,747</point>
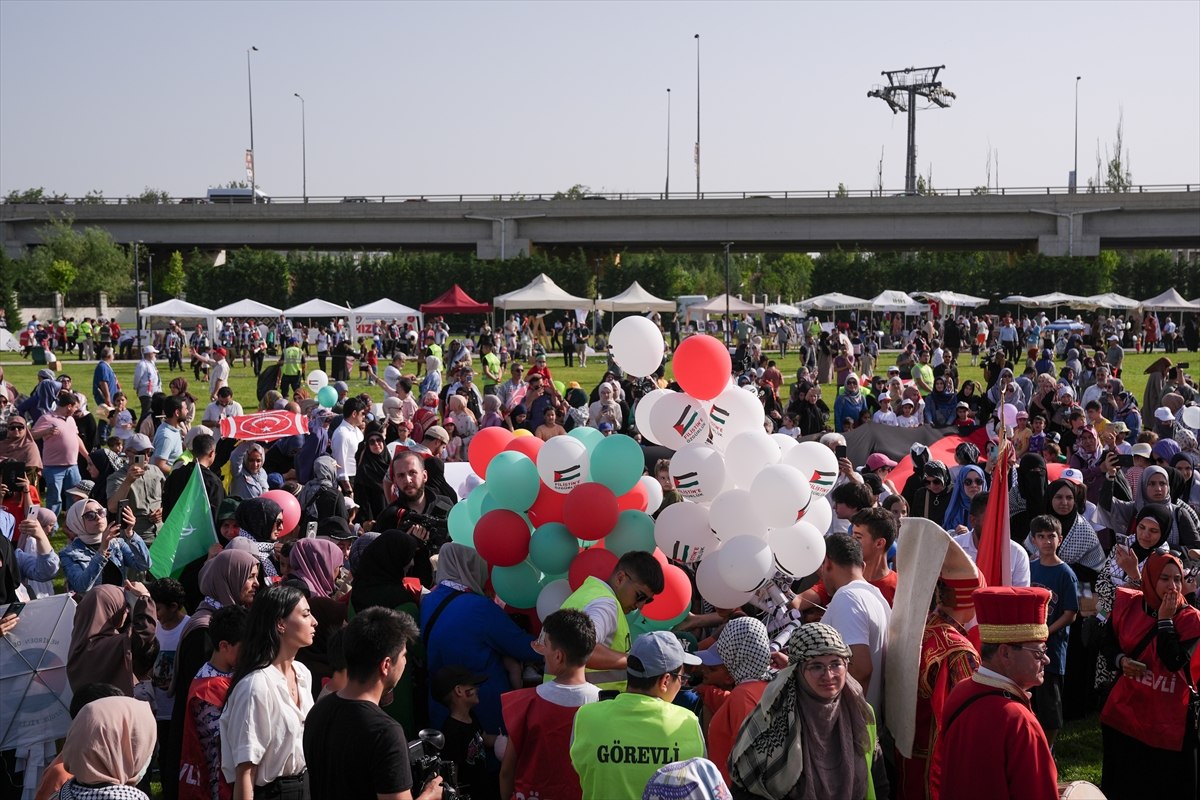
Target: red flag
<point>995,552</point>
<point>266,426</point>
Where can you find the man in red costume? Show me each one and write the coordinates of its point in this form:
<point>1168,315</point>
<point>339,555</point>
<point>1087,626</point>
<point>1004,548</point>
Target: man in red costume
<point>991,746</point>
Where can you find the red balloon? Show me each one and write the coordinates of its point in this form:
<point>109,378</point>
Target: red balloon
<point>485,445</point>
<point>595,561</point>
<point>675,597</point>
<point>529,445</point>
<point>661,558</point>
<point>636,499</point>
<point>590,511</point>
<point>549,504</point>
<point>502,538</point>
<point>291,509</point>
<point>702,367</point>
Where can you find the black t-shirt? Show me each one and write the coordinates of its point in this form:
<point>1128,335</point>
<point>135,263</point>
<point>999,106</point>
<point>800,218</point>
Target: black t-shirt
<point>465,747</point>
<point>354,750</point>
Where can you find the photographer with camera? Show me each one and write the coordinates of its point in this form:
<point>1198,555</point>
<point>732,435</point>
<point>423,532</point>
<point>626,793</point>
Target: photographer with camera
<point>352,748</point>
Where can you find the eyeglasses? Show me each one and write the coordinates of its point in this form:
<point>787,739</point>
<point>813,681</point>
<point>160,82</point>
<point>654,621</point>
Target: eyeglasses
<point>975,482</point>
<point>931,481</point>
<point>16,427</point>
<point>816,669</point>
<point>279,523</point>
<point>92,516</point>
<point>1041,652</point>
<point>676,675</point>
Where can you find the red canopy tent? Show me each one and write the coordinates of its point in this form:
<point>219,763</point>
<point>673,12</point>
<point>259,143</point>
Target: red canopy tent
<point>455,301</point>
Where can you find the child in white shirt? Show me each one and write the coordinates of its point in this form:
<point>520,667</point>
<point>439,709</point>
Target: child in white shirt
<point>885,415</point>
<point>907,418</point>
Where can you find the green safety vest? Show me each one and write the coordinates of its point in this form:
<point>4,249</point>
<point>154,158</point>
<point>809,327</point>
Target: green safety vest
<point>493,362</point>
<point>291,361</point>
<point>617,745</point>
<point>435,350</point>
<point>593,589</point>
<point>70,329</point>
<point>85,328</point>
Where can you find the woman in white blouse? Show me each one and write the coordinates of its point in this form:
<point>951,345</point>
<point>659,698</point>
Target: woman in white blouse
<point>262,725</point>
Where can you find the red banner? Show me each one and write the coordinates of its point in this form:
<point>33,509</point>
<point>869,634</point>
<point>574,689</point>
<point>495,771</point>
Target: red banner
<point>995,554</point>
<point>266,426</point>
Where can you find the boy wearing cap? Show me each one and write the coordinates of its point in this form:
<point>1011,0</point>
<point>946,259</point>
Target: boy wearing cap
<point>456,687</point>
<point>991,745</point>
<point>908,417</point>
<point>885,415</point>
<point>618,745</point>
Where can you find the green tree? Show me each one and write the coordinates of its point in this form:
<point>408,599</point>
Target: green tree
<point>100,263</point>
<point>8,291</point>
<point>151,197</point>
<point>842,191</point>
<point>37,195</point>
<point>61,275</point>
<point>94,197</point>
<point>576,192</point>
<point>173,282</point>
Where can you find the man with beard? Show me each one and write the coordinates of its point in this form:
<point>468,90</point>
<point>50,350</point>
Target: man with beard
<point>417,492</point>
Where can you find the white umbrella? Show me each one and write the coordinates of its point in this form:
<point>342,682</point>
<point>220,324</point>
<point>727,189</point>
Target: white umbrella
<point>35,695</point>
<point>1055,299</point>
<point>833,301</point>
<point>1170,300</point>
<point>1112,300</point>
<point>1018,299</point>
<point>784,310</point>
<point>893,300</point>
<point>954,299</point>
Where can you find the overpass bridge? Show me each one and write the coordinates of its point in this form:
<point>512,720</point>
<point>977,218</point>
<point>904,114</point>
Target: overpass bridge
<point>1046,220</point>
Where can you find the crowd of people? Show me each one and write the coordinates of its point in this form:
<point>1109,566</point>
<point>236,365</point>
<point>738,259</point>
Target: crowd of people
<point>308,658</point>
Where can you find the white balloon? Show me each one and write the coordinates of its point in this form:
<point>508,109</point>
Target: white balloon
<point>552,596</point>
<point>713,589</point>
<point>732,514</point>
<point>745,563</point>
<point>780,493</point>
<point>641,413</point>
<point>747,453</point>
<point>733,411</point>
<point>785,442</point>
<point>682,532</point>
<point>799,549</point>
<point>819,513</point>
<point>817,462</point>
<point>698,472</point>
<point>316,381</point>
<point>563,463</point>
<point>677,419</point>
<point>637,346</point>
<point>653,489</point>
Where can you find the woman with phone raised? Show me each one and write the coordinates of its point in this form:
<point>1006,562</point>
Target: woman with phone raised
<point>101,552</point>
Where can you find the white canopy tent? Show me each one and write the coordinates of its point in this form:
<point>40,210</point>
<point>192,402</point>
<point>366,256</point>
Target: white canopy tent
<point>541,293</point>
<point>892,300</point>
<point>1111,300</point>
<point>316,308</point>
<point>784,310</point>
<point>717,306</point>
<point>1170,300</point>
<point>954,299</point>
<point>1054,299</point>
<point>386,310</point>
<point>248,308</point>
<point>834,301</point>
<point>1018,299</point>
<point>635,299</point>
<point>176,309</point>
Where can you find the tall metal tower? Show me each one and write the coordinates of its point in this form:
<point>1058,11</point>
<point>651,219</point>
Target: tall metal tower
<point>903,88</point>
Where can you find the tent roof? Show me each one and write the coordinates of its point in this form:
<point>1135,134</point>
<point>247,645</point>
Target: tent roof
<point>384,308</point>
<point>176,308</point>
<point>717,306</point>
<point>455,301</point>
<point>1112,300</point>
<point>893,300</point>
<point>1018,299</point>
<point>248,308</point>
<point>317,308</point>
<point>833,301</point>
<point>1054,299</point>
<point>635,298</point>
<point>540,293</point>
<point>954,299</point>
<point>1170,300</point>
<point>784,310</point>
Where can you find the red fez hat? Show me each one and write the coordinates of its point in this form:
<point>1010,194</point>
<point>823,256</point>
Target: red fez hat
<point>1009,614</point>
<point>958,593</point>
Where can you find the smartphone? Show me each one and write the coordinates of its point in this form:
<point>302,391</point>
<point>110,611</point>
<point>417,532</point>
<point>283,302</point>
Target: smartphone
<point>840,451</point>
<point>11,472</point>
<point>138,459</point>
<point>1124,461</point>
<point>14,610</point>
<point>310,531</point>
<point>1137,664</point>
<point>121,506</point>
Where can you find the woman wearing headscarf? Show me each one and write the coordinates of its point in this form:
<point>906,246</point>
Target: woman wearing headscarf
<point>967,394</point>
<point>150,421</point>
<point>1080,549</point>
<point>1153,486</point>
<point>20,446</point>
<point>1152,398</point>
<point>268,400</point>
<point>606,409</point>
<point>316,443</point>
<point>316,562</point>
<point>373,460</point>
<point>260,521</point>
<point>932,498</point>
<point>492,418</point>
<point>849,404</point>
<point>517,418</point>
<point>745,649</point>
<point>1029,495</point>
<point>39,562</point>
<point>1087,456</point>
<point>969,482</point>
<point>1124,566</point>
<point>229,578</point>
<point>320,497</point>
<point>1184,464</point>
<point>109,643</point>
<point>464,421</point>
<point>102,550</point>
<point>432,382</point>
<point>44,397</point>
<point>1148,723</point>
<point>381,579</point>
<point>810,410</point>
<point>578,411</point>
<point>471,631</point>
<point>249,477</point>
<point>108,750</point>
<point>812,735</point>
<point>940,404</point>
<point>179,388</point>
<point>825,353</point>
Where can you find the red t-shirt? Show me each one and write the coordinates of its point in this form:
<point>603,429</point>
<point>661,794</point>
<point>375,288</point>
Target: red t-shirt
<point>886,586</point>
<point>726,723</point>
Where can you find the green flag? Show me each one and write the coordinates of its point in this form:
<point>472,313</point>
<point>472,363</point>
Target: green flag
<point>188,532</point>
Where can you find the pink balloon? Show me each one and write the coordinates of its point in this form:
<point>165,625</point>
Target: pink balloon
<point>291,509</point>
<point>702,366</point>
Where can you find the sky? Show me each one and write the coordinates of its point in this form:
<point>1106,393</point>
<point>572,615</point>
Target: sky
<point>504,98</point>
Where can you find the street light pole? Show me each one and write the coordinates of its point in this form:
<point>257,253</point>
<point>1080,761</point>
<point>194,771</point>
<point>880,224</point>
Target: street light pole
<point>503,226</point>
<point>303,148</point>
<point>254,173</point>
<point>667,194</point>
<point>1075,172</point>
<point>137,288</point>
<point>697,116</point>
<point>728,321</point>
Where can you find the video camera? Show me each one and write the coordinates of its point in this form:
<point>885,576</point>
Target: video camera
<point>438,527</point>
<point>425,763</point>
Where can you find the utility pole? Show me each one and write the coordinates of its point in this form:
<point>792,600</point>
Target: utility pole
<point>1075,170</point>
<point>901,92</point>
<point>728,321</point>
<point>303,149</point>
<point>697,116</point>
<point>667,191</point>
<point>254,172</point>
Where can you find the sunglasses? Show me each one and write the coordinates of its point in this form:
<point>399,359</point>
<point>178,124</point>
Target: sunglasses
<point>92,516</point>
<point>641,598</point>
<point>16,427</point>
<point>931,481</point>
<point>975,482</point>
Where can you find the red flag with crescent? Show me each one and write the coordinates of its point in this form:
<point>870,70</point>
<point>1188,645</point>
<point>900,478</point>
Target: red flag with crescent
<point>266,426</point>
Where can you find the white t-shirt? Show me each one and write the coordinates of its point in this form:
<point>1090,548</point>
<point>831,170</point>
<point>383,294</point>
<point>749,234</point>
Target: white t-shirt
<point>861,614</point>
<point>164,666</point>
<point>1020,558</point>
<point>885,418</point>
<point>603,611</point>
<point>909,422</point>
<point>220,375</point>
<point>345,441</point>
<point>216,412</point>
<point>569,696</point>
<point>391,374</point>
<point>260,724</point>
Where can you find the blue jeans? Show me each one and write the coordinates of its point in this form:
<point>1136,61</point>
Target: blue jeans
<point>59,480</point>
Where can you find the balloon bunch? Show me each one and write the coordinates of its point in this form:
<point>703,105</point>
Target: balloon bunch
<point>318,383</point>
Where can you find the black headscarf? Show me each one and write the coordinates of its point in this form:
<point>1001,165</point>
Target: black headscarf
<point>10,573</point>
<point>368,480</point>
<point>1066,520</point>
<point>257,516</point>
<point>1161,514</point>
<point>1031,487</point>
<point>381,571</point>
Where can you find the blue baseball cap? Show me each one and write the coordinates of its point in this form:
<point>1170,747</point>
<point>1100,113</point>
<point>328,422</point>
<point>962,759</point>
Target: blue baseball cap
<point>659,652</point>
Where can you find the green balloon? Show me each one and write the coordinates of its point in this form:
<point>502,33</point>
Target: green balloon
<point>462,524</point>
<point>562,387</point>
<point>638,624</point>
<point>552,548</point>
<point>512,480</point>
<point>517,586</point>
<point>617,462</point>
<point>475,501</point>
<point>547,579</point>
<point>327,397</point>
<point>589,436</point>
<point>634,531</point>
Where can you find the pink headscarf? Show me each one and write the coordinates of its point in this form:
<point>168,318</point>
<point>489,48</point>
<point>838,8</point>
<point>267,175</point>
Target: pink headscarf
<point>316,561</point>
